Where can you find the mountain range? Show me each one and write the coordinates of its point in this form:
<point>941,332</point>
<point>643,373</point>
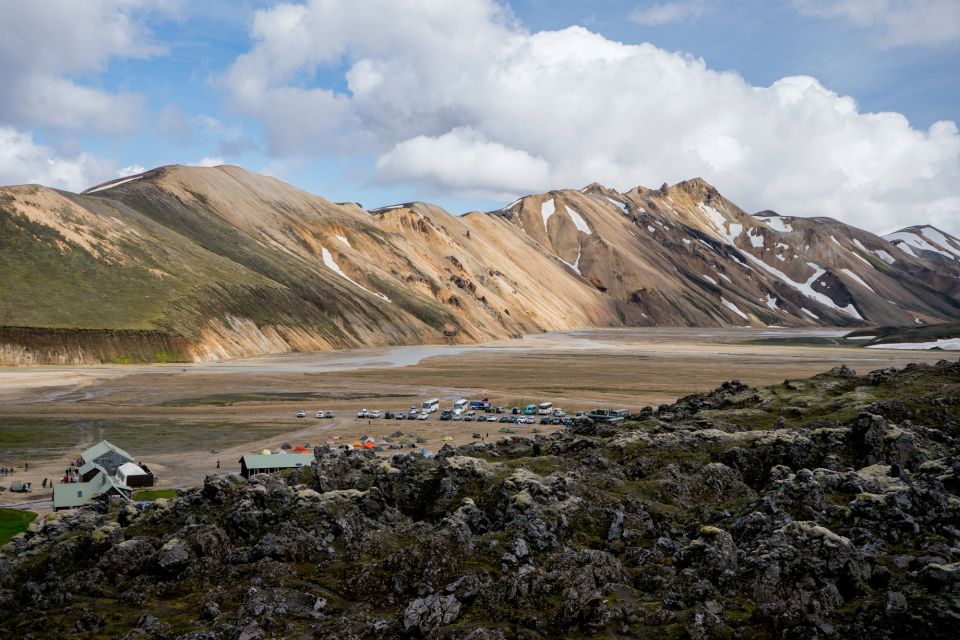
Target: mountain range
<point>187,263</point>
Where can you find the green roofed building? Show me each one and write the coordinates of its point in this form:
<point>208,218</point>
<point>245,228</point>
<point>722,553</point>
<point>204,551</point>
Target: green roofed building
<point>68,495</point>
<point>103,469</point>
<point>107,455</point>
<point>260,463</point>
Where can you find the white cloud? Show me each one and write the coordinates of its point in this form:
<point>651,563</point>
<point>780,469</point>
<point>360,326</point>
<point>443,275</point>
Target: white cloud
<point>465,162</point>
<point>899,22</point>
<point>45,45</point>
<point>667,12</point>
<point>208,161</point>
<point>131,170</point>
<point>23,161</point>
<point>457,97</point>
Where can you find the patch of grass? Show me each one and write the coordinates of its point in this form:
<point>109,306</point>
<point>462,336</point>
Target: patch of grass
<point>28,438</point>
<point>154,494</point>
<point>12,522</point>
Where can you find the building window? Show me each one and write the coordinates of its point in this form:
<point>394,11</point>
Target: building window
<point>80,493</point>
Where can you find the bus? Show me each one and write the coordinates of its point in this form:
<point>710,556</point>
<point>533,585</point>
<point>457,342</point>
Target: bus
<point>545,408</point>
<point>530,409</point>
<point>431,405</point>
<point>459,406</point>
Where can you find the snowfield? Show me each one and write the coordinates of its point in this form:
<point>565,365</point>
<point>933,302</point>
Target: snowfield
<point>114,184</point>
<point>734,308</point>
<point>947,344</point>
<point>578,220</point>
<point>547,209</point>
<point>333,266</point>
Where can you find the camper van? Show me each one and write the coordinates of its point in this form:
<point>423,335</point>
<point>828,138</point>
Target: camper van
<point>545,408</point>
<point>530,409</point>
<point>431,405</point>
<point>459,406</point>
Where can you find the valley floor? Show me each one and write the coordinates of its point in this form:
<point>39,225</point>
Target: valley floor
<point>181,419</point>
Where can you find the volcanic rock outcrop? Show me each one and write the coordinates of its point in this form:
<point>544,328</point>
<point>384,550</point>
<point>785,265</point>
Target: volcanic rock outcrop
<point>819,508</point>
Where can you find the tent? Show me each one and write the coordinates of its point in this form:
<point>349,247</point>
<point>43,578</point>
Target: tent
<point>299,449</point>
<point>448,438</point>
<point>265,452</point>
<point>357,443</point>
<point>369,444</point>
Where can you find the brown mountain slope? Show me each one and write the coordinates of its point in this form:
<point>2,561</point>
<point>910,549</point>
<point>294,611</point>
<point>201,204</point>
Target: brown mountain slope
<point>222,262</point>
<point>686,255</point>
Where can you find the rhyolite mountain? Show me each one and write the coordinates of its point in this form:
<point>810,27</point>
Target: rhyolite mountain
<point>187,263</point>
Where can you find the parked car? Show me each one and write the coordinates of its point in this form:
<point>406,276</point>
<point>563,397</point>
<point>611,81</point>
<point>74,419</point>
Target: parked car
<point>373,414</point>
<point>531,420</point>
<point>301,414</point>
<point>546,420</point>
<point>362,413</point>
<point>515,410</point>
<point>457,417</point>
<point>423,416</point>
<point>20,487</point>
<point>401,415</point>
<point>446,414</point>
<point>412,415</point>
<point>560,413</point>
<point>500,410</point>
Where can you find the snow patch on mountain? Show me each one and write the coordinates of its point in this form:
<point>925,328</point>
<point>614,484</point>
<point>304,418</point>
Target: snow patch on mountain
<point>733,307</point>
<point>547,209</point>
<point>333,266</point>
<point>578,220</point>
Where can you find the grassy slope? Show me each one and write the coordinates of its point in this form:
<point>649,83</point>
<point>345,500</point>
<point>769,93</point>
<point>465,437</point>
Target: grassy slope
<point>154,494</point>
<point>12,522</point>
<point>44,286</point>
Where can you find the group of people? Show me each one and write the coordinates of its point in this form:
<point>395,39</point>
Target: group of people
<point>5,471</point>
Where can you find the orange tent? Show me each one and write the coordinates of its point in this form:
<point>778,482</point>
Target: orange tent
<point>357,443</point>
<point>369,444</point>
<point>299,449</point>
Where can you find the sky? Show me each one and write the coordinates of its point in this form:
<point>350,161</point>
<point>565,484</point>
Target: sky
<point>842,108</point>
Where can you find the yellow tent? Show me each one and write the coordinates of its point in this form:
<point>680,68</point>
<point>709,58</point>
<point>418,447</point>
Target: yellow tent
<point>448,438</point>
<point>357,443</point>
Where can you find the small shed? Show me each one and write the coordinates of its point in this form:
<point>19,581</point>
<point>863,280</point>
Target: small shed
<point>134,475</point>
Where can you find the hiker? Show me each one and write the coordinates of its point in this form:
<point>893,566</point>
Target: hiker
<point>218,463</point>
<point>44,485</point>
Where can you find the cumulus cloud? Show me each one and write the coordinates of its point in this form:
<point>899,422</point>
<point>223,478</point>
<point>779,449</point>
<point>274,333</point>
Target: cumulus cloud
<point>667,12</point>
<point>24,161</point>
<point>899,22</point>
<point>464,161</point>
<point>207,161</point>
<point>45,45</point>
<point>460,99</point>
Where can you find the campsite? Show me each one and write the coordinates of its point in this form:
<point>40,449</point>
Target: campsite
<point>185,419</point>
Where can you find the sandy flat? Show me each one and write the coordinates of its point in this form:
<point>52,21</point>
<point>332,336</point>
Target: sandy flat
<point>182,419</point>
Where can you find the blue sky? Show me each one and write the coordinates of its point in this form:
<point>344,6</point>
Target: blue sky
<point>173,88</point>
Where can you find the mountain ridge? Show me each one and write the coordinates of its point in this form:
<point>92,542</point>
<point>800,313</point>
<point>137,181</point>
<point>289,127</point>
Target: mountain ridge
<point>240,264</point>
